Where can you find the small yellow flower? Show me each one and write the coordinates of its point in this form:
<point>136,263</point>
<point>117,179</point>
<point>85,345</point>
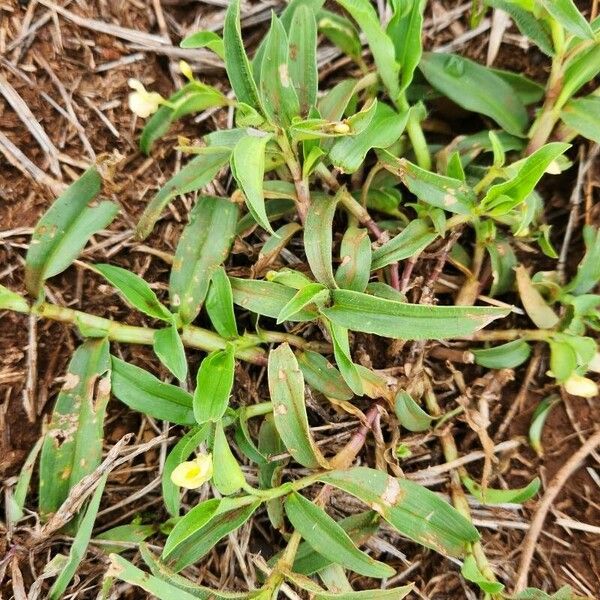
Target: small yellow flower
<point>576,385</point>
<point>193,473</point>
<point>142,102</point>
<point>186,70</point>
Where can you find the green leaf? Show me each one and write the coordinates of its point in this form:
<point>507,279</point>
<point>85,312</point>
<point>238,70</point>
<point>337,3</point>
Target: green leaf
<point>470,571</point>
<point>122,569</point>
<point>411,241</point>
<point>588,270</point>
<point>203,246</point>
<point>265,298</point>
<point>312,293</point>
<point>143,392</point>
<point>15,498</point>
<point>405,30</point>
<point>476,88</point>
<point>410,414</point>
<point>277,90</point>
<point>132,533</point>
<point>341,32</point>
<point>193,97</point>
<point>214,383</point>
<point>274,209</point>
<point>492,496</point>
<point>72,446</point>
<point>135,291</point>
<point>567,14</point>
<point>563,359</point>
<point>361,312</point>
<point>318,239</point>
<point>219,305</point>
<point>80,543</point>
<point>538,418</point>
<point>275,244</point>
<point>237,65</point>
<point>503,262</point>
<point>531,27</point>
<point>534,304</point>
<point>502,197</point>
<point>334,103</point>
<point>303,57</point>
<point>10,300</point>
<point>343,359</point>
<point>506,356</point>
<point>527,90</point>
<point>385,128</point>
<point>196,174</point>
<point>286,385</point>
<point>413,510</point>
<point>169,349</point>
<point>355,267</point>
<point>564,593</point>
<point>248,168</point>
<point>440,191</point>
<point>359,527</point>
<point>195,534</point>
<point>184,448</point>
<point>578,71</point>
<point>321,375</point>
<point>380,44</point>
<point>329,539</point>
<point>270,472</point>
<point>228,477</point>
<point>583,115</point>
<point>65,228</point>
<point>205,39</point>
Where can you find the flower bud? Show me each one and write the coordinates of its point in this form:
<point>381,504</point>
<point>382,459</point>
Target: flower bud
<point>193,473</point>
<point>576,385</point>
<point>186,70</point>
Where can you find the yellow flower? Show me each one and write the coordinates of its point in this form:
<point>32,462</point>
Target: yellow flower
<point>576,385</point>
<point>142,102</point>
<point>186,70</point>
<point>193,473</point>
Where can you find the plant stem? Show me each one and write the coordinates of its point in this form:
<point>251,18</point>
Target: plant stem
<point>506,335</point>
<point>300,183</point>
<point>415,133</point>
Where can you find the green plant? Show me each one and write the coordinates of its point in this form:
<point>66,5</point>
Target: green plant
<point>289,153</point>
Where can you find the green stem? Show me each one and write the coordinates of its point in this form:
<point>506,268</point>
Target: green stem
<point>415,133</point>
<point>300,183</point>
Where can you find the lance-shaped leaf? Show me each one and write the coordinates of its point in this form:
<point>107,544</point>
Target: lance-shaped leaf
<point>286,385</point>
<point>237,65</point>
<point>588,271</point>
<point>65,228</point>
<point>169,348</point>
<point>380,44</point>
<point>503,262</point>
<point>321,375</point>
<point>303,57</point>
<point>506,356</point>
<point>15,497</point>
<point>329,539</point>
<point>203,246</point>
<point>470,571</point>
<point>538,419</point>
<point>405,29</point>
<point>123,535</point>
<point>12,301</point>
<point>355,254</point>
<point>318,239</point>
<point>72,448</point>
<point>341,32</point>
<point>580,69</point>
<point>410,414</point>
<point>143,392</point>
<point>475,88</point>
<point>492,496</point>
<point>196,174</point>
<point>248,168</point>
<point>171,493</point>
<point>275,244</point>
<point>214,383</point>
<point>385,128</point>
<point>440,191</point>
<point>205,39</point>
<point>413,510</point>
<point>135,290</point>
<point>411,241</point>
<point>502,197</point>
<point>191,98</point>
<point>343,359</point>
<point>361,312</point>
<point>568,15</point>
<point>266,298</point>
<point>536,307</point>
<point>311,294</point>
<point>219,305</point>
<point>583,115</point>
<point>277,91</point>
<point>201,528</point>
<point>79,544</point>
<point>228,477</point>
